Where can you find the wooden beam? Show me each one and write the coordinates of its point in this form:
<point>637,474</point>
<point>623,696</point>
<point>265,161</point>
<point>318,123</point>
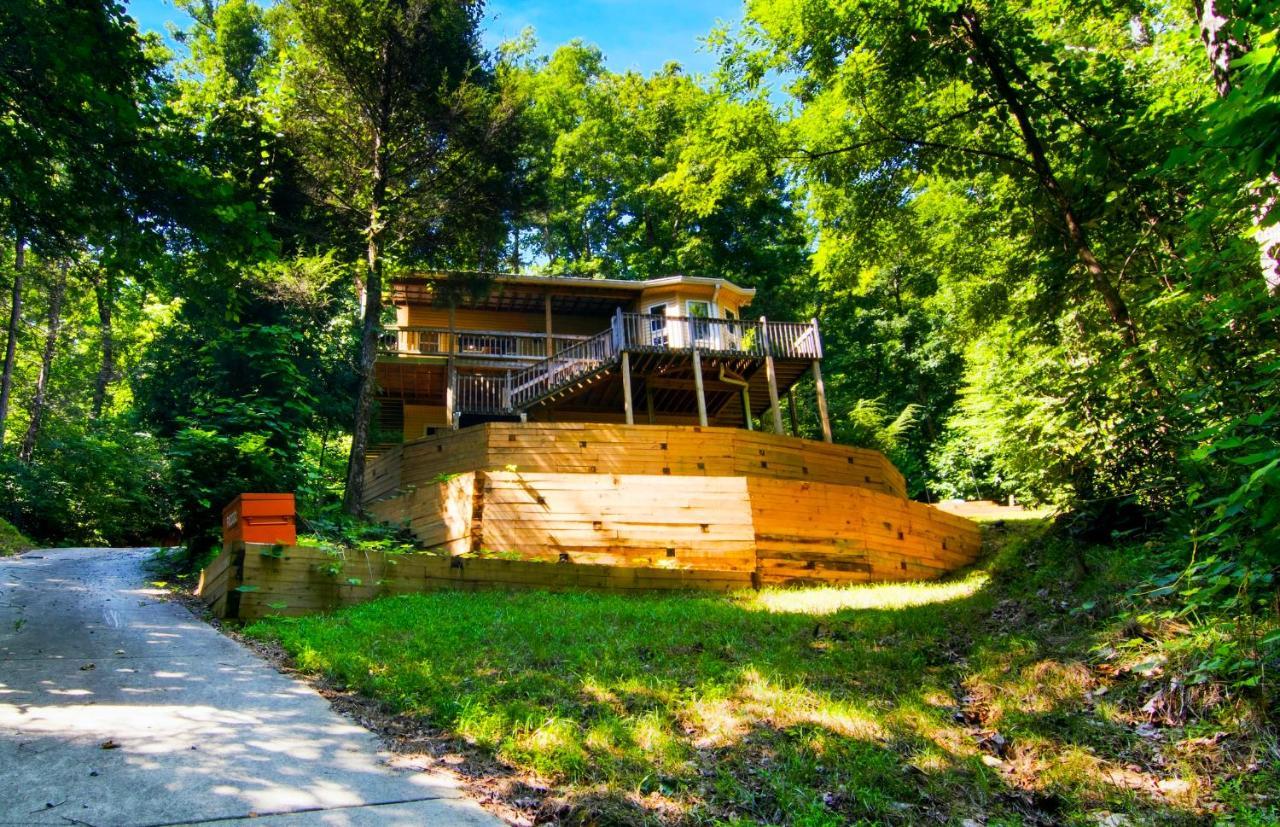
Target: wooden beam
<point>771,373</point>
<point>791,406</point>
<point>626,388</point>
<point>697,381</point>
<point>746,408</point>
<point>708,385</point>
<point>546,302</point>
<point>648,401</point>
<point>822,400</point>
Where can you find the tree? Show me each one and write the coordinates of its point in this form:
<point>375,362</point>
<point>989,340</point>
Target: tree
<point>632,176</point>
<point>392,115</point>
<point>53,326</point>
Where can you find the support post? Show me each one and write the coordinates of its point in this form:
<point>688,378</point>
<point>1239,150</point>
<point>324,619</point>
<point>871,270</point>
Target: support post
<point>791,408</point>
<point>626,388</point>
<point>546,303</point>
<point>771,374</point>
<point>453,329</point>
<point>648,402</point>
<point>697,386</point>
<point>822,400</point>
<point>746,407</point>
<point>619,332</point>
<point>450,403</point>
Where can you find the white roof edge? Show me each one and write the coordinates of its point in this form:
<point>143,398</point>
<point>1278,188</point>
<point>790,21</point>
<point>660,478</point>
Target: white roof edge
<point>620,284</point>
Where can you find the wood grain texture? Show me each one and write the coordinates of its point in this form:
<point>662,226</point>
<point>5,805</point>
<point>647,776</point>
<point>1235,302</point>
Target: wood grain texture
<point>301,581</point>
<point>599,448</point>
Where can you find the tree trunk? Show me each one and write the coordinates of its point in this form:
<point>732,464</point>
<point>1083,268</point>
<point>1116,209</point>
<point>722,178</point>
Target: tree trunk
<point>39,402</point>
<point>1077,238</point>
<point>371,327</point>
<point>15,316</point>
<point>105,294</point>
<point>1221,49</point>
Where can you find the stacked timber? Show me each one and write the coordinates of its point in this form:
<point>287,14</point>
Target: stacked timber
<point>843,534</point>
<point>439,514</point>
<point>621,520</point>
<point>658,450</point>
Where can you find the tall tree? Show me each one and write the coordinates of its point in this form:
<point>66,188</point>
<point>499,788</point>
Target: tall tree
<point>391,113</point>
<point>53,326</point>
<point>11,332</point>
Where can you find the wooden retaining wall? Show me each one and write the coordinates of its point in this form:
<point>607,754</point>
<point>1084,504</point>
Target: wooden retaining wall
<point>657,450</point>
<point>439,514</point>
<point>623,520</point>
<point>249,581</point>
<point>843,534</point>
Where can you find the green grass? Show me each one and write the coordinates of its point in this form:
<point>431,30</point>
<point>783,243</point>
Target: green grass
<point>11,540</point>
<point>812,707</point>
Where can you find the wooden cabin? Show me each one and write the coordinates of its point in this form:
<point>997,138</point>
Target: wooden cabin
<point>605,423</point>
<point>677,350</point>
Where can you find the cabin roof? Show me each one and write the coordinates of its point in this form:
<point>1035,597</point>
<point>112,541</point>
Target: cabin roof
<point>423,288</point>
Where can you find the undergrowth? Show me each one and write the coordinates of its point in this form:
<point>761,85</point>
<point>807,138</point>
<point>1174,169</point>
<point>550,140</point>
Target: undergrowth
<point>12,540</point>
<point>1036,689</point>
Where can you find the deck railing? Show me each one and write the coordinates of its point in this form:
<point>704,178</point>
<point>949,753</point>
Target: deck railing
<point>483,344</point>
<point>484,393</point>
<point>569,364</point>
<point>578,357</point>
<point>794,340</point>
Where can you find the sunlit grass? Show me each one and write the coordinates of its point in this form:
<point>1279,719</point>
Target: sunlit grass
<point>815,706</point>
<point>827,600</point>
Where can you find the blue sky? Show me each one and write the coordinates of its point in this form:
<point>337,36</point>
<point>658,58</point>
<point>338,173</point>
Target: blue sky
<point>634,34</point>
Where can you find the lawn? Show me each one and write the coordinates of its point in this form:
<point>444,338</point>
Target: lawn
<point>1002,696</point>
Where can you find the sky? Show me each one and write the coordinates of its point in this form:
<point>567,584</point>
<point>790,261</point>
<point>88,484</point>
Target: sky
<point>634,34</point>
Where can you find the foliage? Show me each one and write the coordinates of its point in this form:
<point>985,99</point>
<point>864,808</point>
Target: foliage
<point>342,532</point>
<point>107,483</point>
<point>11,540</point>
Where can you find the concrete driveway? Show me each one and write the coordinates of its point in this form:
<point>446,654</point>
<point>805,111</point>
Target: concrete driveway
<point>119,708</point>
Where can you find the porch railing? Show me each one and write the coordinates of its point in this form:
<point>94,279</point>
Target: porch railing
<point>482,344</point>
<point>570,364</point>
<point>795,340</point>
<point>578,357</point>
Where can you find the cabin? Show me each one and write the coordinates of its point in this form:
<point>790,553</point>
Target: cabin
<point>557,432</point>
<point>677,350</point>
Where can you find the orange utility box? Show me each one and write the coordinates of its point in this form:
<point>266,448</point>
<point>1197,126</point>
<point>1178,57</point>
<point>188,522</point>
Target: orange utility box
<point>260,518</point>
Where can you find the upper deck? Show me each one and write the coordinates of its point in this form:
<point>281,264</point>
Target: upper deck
<point>597,346</point>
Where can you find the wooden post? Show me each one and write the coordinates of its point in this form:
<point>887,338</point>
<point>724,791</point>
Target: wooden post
<point>551,347</point>
<point>626,388</point>
<point>822,400</point>
<point>771,374</point>
<point>795,417</point>
<point>449,382</point>
<point>453,329</point>
<point>746,407</point>
<point>648,402</point>
<point>697,386</point>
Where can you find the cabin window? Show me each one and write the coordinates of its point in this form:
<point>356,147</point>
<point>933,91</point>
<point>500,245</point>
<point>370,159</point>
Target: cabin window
<point>697,311</point>
<point>658,325</point>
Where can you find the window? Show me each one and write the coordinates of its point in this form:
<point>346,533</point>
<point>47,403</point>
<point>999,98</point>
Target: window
<point>658,325</point>
<point>697,311</point>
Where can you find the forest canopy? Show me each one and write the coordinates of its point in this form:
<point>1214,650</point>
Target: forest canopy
<point>1039,237</point>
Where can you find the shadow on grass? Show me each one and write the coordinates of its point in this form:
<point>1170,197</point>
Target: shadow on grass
<point>818,706</point>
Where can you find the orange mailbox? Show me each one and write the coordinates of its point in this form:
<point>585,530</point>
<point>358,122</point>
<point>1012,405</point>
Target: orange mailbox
<point>259,518</point>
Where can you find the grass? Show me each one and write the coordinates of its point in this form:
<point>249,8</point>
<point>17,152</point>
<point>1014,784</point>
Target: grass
<point>12,541</point>
<point>1007,696</point>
